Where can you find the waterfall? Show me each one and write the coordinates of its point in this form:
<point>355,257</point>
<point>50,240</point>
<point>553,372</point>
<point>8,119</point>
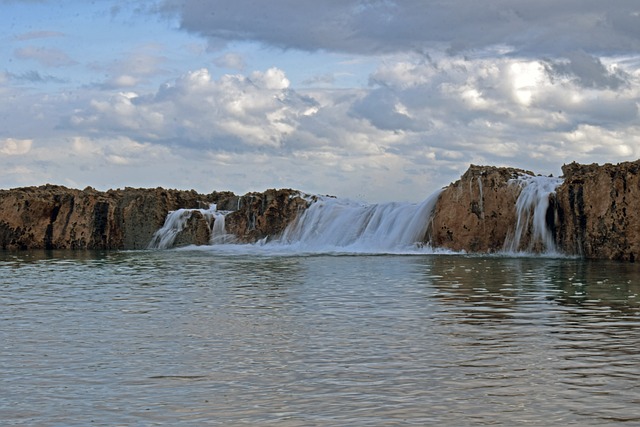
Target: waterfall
<point>218,233</point>
<point>481,198</point>
<point>327,225</point>
<point>531,212</point>
<point>176,222</point>
<point>173,225</point>
<point>331,224</point>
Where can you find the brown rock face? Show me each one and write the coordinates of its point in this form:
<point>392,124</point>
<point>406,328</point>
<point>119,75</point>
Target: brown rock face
<point>594,213</point>
<point>599,210</point>
<point>260,215</point>
<point>197,231</point>
<point>477,212</point>
<point>56,217</point>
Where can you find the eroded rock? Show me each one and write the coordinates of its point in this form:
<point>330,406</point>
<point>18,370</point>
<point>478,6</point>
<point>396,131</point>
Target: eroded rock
<point>594,213</point>
<point>264,215</point>
<point>599,210</point>
<point>477,212</point>
<point>56,217</point>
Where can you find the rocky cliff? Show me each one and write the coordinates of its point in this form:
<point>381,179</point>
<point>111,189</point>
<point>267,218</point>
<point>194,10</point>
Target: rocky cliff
<point>599,210</point>
<point>477,212</point>
<point>56,217</point>
<point>594,212</point>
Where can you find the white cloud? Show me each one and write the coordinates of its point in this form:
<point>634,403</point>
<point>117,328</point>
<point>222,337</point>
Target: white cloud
<point>231,60</point>
<point>46,56</point>
<point>15,147</point>
<point>118,151</point>
<point>273,79</point>
<point>526,78</point>
<point>123,81</point>
<point>372,99</point>
<point>493,110</point>
<point>593,140</point>
<point>138,66</point>
<point>199,111</point>
<point>415,128</point>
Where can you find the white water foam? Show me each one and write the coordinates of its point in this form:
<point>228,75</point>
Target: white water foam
<point>173,224</point>
<point>338,225</point>
<point>219,235</point>
<point>329,225</point>
<point>177,220</point>
<point>531,211</point>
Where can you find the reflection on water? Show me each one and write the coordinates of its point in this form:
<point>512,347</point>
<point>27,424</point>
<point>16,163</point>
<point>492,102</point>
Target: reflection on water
<point>499,282</point>
<point>552,337</point>
<point>199,338</point>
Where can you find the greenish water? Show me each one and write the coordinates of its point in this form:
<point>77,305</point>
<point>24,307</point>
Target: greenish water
<point>208,337</point>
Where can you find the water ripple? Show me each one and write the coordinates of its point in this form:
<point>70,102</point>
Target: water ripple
<point>197,338</point>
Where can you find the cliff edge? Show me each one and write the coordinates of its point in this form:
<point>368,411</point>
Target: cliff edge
<point>477,212</point>
<point>599,210</point>
<point>593,211</point>
<point>56,217</point>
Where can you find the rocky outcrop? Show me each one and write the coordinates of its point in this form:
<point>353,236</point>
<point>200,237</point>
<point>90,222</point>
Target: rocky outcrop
<point>260,215</point>
<point>243,219</point>
<point>594,213</point>
<point>477,212</point>
<point>56,217</point>
<point>599,210</point>
<point>197,231</point>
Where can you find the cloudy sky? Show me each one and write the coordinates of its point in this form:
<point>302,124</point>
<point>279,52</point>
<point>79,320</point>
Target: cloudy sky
<point>374,100</point>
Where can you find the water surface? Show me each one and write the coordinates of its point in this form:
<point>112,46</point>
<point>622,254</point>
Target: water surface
<point>204,337</point>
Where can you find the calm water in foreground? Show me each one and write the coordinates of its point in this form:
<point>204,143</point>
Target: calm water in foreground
<point>199,337</point>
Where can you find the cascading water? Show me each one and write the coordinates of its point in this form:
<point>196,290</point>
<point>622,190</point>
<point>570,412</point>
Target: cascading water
<point>531,211</point>
<point>328,225</point>
<point>343,226</point>
<point>340,225</point>
<point>173,225</point>
<point>481,198</point>
<point>176,222</point>
<point>219,235</point>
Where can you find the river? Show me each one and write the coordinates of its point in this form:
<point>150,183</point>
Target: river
<point>210,336</point>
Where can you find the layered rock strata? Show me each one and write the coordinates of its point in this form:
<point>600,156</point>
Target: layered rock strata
<point>477,212</point>
<point>599,210</point>
<point>594,213</point>
<point>56,217</point>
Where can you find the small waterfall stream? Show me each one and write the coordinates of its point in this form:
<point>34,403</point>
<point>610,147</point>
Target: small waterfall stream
<point>173,225</point>
<point>219,235</point>
<point>531,212</point>
<point>176,222</point>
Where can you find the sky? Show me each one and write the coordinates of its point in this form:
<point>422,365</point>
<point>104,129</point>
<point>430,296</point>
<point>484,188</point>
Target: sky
<point>372,100</point>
